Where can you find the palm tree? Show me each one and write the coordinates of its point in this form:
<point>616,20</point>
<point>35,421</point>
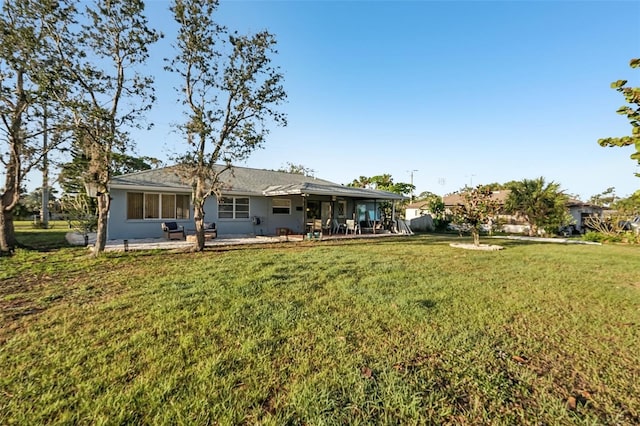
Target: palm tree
<point>540,204</point>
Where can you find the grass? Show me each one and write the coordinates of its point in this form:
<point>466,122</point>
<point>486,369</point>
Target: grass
<point>392,331</point>
<point>36,238</point>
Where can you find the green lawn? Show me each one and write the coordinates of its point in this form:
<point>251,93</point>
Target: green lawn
<point>391,331</point>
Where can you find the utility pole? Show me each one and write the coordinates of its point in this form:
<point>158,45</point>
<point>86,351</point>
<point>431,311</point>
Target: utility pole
<point>411,195</point>
<point>471,179</point>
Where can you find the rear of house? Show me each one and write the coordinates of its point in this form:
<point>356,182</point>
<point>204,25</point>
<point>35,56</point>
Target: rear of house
<point>253,202</point>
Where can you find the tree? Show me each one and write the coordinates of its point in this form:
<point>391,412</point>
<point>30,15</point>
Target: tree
<point>476,208</point>
<point>297,169</point>
<point>230,90</point>
<point>109,94</point>
<point>29,78</point>
<point>632,111</point>
<point>435,206</point>
<point>72,173</point>
<point>629,206</point>
<point>383,182</point>
<point>605,198</point>
<point>361,182</point>
<point>541,205</point>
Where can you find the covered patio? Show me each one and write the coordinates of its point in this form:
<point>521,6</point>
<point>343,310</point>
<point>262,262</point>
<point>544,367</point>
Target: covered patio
<point>77,239</point>
<point>338,209</point>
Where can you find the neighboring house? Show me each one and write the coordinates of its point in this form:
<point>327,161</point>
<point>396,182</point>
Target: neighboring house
<point>253,201</point>
<point>580,211</point>
<point>418,216</point>
<point>416,209</point>
<point>513,224</point>
<point>456,199</point>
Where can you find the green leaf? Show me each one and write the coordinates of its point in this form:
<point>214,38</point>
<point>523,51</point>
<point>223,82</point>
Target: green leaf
<point>618,84</point>
<point>635,63</point>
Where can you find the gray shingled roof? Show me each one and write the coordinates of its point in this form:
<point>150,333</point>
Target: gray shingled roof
<point>243,180</point>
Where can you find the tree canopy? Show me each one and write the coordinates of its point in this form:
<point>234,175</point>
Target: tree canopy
<point>29,88</point>
<point>298,169</point>
<point>632,112</point>
<point>477,208</point>
<point>383,182</point>
<point>541,204</point>
<point>229,90</point>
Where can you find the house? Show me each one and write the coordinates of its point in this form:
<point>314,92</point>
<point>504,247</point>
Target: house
<point>452,200</point>
<point>416,209</point>
<point>253,202</point>
<point>514,224</point>
<point>581,211</point>
<point>419,217</point>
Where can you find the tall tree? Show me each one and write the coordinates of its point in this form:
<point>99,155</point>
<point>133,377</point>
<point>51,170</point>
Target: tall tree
<point>361,182</point>
<point>476,208</point>
<point>632,111</point>
<point>28,79</point>
<point>110,94</point>
<point>435,205</point>
<point>383,182</point>
<point>72,173</point>
<point>298,169</point>
<point>541,204</point>
<point>605,198</point>
<point>230,90</point>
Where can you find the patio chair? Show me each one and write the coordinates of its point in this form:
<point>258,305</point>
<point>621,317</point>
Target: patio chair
<point>338,227</point>
<point>353,227</point>
<point>328,226</point>
<point>210,231</point>
<point>173,231</point>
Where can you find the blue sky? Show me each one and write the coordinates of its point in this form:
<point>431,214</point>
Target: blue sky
<point>460,92</point>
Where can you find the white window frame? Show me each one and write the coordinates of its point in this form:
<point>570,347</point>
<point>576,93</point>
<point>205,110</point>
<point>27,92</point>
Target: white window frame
<point>235,213</point>
<point>342,209</point>
<point>281,204</point>
<point>159,211</point>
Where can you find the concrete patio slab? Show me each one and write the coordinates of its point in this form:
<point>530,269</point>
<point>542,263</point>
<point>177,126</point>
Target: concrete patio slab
<point>77,239</point>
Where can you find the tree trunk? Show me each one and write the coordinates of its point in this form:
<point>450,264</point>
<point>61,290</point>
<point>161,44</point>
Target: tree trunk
<point>7,232</point>
<point>476,236</point>
<point>199,197</point>
<point>8,201</point>
<point>198,209</point>
<point>104,201</point>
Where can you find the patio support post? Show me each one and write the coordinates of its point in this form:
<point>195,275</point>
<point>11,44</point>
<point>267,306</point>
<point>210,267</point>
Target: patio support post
<point>393,214</point>
<point>375,214</point>
<point>304,215</point>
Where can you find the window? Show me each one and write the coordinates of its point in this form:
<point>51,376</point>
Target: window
<point>142,205</point>
<point>281,206</point>
<point>233,208</point>
<point>135,202</point>
<point>151,206</point>
<point>342,209</point>
<point>168,206</point>
<point>182,206</point>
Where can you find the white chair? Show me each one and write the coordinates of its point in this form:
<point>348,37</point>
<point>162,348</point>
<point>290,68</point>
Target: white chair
<point>328,227</point>
<point>352,226</point>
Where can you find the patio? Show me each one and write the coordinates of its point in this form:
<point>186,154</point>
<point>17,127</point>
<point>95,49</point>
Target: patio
<point>77,239</point>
